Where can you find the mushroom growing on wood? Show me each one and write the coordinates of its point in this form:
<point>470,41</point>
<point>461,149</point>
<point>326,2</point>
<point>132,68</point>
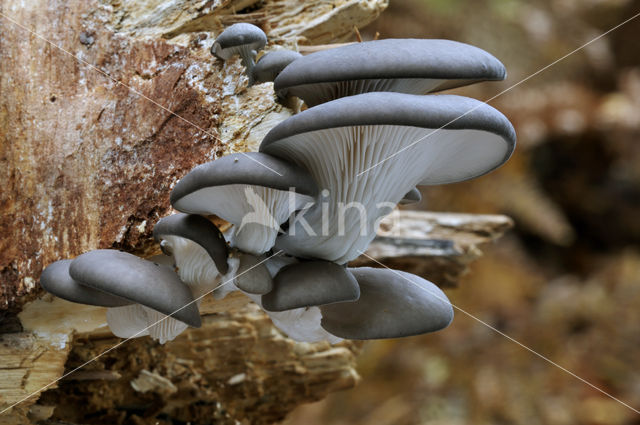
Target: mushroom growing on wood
<point>240,39</point>
<point>254,191</point>
<point>367,151</point>
<point>137,280</point>
<point>309,284</point>
<point>398,65</point>
<point>198,247</point>
<point>271,64</point>
<point>392,304</point>
<point>56,280</point>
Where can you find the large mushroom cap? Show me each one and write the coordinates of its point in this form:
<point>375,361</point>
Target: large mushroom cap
<point>272,64</point>
<point>238,36</point>
<point>310,284</point>
<point>252,190</point>
<point>141,281</point>
<point>56,280</point>
<point>392,304</point>
<point>371,149</point>
<point>403,65</point>
<point>199,230</point>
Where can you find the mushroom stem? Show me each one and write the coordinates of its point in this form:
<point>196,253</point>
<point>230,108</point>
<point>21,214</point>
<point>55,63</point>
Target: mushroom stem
<point>249,62</point>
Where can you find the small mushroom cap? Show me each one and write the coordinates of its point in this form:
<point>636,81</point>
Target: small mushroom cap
<point>141,281</point>
<point>253,276</point>
<point>442,64</point>
<point>493,133</point>
<point>411,197</point>
<point>241,34</point>
<point>56,280</point>
<point>272,63</point>
<point>311,283</point>
<point>392,304</point>
<point>199,230</point>
<point>250,168</point>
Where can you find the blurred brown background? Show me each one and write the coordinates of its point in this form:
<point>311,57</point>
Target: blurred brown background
<point>566,281</point>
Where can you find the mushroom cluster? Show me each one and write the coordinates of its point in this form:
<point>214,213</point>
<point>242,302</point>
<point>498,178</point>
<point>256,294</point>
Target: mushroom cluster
<point>312,198</point>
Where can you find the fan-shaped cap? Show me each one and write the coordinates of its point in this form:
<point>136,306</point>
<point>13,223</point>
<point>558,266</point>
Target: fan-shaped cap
<point>414,66</point>
<point>141,281</point>
<point>56,280</point>
<point>392,304</point>
<point>272,63</point>
<point>238,35</point>
<point>370,149</point>
<point>199,230</point>
<point>411,197</point>
<point>311,283</point>
<point>437,113</point>
<point>250,168</point>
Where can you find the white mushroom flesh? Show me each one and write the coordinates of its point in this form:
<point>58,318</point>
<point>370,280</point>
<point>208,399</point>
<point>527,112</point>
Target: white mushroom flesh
<point>405,156</point>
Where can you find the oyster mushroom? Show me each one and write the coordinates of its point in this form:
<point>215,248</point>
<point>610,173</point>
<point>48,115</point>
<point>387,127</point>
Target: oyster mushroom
<point>392,304</point>
<point>137,280</point>
<point>412,66</point>
<point>271,64</point>
<point>309,284</point>
<point>56,280</point>
<point>255,198</point>
<point>367,151</point>
<point>240,39</point>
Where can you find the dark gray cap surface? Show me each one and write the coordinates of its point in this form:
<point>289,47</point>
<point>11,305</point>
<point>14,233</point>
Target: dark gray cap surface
<point>253,276</point>
<point>392,304</point>
<point>272,63</point>
<point>309,284</point>
<point>138,280</point>
<point>411,197</point>
<point>56,280</point>
<point>458,63</point>
<point>199,230</point>
<point>240,34</point>
<point>251,168</point>
<point>448,112</point>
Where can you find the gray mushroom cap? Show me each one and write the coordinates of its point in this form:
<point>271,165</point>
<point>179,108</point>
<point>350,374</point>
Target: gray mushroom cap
<point>253,275</point>
<point>141,281</point>
<point>241,35</point>
<point>242,39</point>
<point>311,283</point>
<point>56,280</point>
<point>411,197</point>
<point>272,64</point>
<point>436,112</point>
<point>199,230</point>
<point>403,65</point>
<point>392,304</point>
<point>250,168</point>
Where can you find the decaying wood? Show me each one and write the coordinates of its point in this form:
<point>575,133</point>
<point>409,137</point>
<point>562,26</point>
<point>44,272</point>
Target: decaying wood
<point>237,366</point>
<point>436,246</point>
